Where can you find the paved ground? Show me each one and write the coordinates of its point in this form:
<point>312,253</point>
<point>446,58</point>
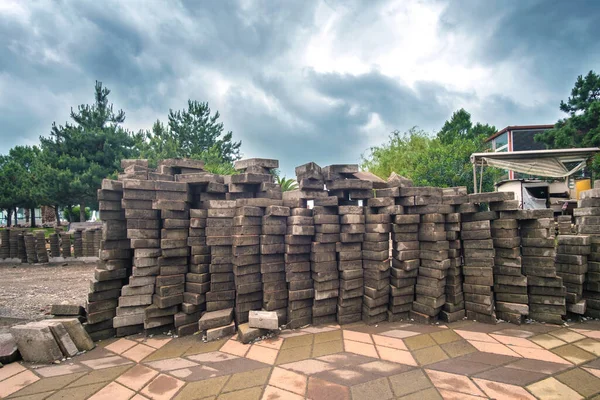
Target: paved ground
<point>465,360</point>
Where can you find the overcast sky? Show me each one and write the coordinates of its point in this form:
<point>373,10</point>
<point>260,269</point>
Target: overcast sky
<point>295,80</point>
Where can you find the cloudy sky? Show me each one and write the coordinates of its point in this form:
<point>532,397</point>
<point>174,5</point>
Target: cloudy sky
<point>297,80</point>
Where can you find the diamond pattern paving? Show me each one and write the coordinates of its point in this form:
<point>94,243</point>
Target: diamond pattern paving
<point>463,360</point>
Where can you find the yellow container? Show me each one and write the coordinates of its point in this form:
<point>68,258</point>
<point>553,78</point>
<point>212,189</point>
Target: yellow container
<point>582,184</point>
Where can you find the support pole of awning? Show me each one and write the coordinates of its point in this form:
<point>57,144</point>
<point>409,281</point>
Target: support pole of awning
<point>474,178</point>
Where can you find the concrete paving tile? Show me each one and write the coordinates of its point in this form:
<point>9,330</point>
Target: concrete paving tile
<point>121,345</point>
<point>320,329</point>
<point>399,333</point>
<point>237,365</point>
<point>593,371</point>
<point>346,376</point>
<point>477,336</point>
<point>272,392</point>
<point>31,384</point>
<point>589,345</point>
<point>343,360</point>
<point>461,367</point>
<point>137,377</point>
<point>37,396</point>
<point>594,364</point>
<point>213,356</point>
<point>76,393</point>
<point>591,334</point>
<point>174,348</point>
<point>383,368</point>
<point>454,382</point>
<point>547,341</point>
<point>236,348</point>
<point>387,341</point>
<point>156,342</point>
<point>319,389</point>
<point>363,349</point>
<point>201,347</point>
<point>171,364</point>
<point>20,383</point>
<point>272,343</point>
<point>208,387</point>
<point>503,391</point>
<point>308,367</point>
<point>567,335</point>
<point>247,379</point>
<point>489,358</point>
<point>419,342</point>
<point>246,394</point>
<point>409,382</point>
<point>328,336</point>
<point>543,367</point>
<point>494,348</point>
<point>139,397</point>
<point>113,391</point>
<point>429,355</point>
<point>96,352</point>
<point>376,389</point>
<point>11,369</point>
<point>581,381</point>
<point>573,354</point>
<point>357,336</point>
<point>101,375</point>
<point>522,333</point>
<point>427,394</point>
<point>262,354</point>
<point>397,356</point>
<point>57,370</point>
<point>107,362</point>
<point>512,376</point>
<point>293,354</point>
<point>457,349</point>
<point>484,328</point>
<point>288,380</point>
<point>139,352</point>
<point>452,395</point>
<point>445,336</point>
<point>163,387</point>
<point>515,341</point>
<point>326,348</point>
<point>539,354</point>
<point>197,373</point>
<point>552,389</point>
<point>297,341</point>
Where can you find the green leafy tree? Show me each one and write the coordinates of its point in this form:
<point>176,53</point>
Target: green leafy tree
<point>88,150</point>
<point>287,184</point>
<point>582,126</point>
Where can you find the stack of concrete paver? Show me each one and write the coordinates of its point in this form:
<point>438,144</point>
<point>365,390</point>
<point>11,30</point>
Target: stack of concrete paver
<point>376,256</point>
<point>13,242</point>
<point>55,245</point>
<point>65,239</point>
<point>571,265</point>
<point>114,265</point>
<point>30,249</point>
<point>40,246</point>
<point>478,250</point>
<point>342,183</point>
<point>405,265</point>
<point>255,180</point>
<point>78,243</point>
<point>173,203</point>
<point>88,242</point>
<point>246,261</point>
<point>545,288</point>
<point>510,285</point>
<point>197,280</point>
<point>564,224</point>
<point>273,254</point>
<point>454,307</point>
<point>4,244</point>
<point>143,230</point>
<point>587,218</point>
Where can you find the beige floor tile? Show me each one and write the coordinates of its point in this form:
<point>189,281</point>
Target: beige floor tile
<point>11,369</point>
<point>288,380</point>
<point>453,382</point>
<point>363,349</point>
<point>262,354</point>
<point>163,387</point>
<point>57,370</point>
<point>272,392</point>
<point>208,387</point>
<point>477,336</point>
<point>121,345</point>
<point>539,354</point>
<point>137,377</point>
<point>245,394</point>
<point>17,382</point>
<point>515,341</point>
<point>139,352</point>
<point>567,335</point>
<point>547,341</point>
<point>113,391</point>
<point>397,356</point>
<point>236,348</point>
<point>552,389</point>
<point>376,389</point>
<point>589,345</point>
<point>503,391</point>
<point>495,348</point>
<point>357,337</point>
<point>387,341</point>
<point>243,380</point>
<point>171,364</point>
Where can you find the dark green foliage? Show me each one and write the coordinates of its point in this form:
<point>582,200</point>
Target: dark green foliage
<point>74,214</point>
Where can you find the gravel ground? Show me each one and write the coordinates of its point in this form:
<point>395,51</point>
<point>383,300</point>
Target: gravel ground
<point>28,291</point>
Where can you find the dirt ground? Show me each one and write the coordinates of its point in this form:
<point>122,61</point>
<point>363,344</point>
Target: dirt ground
<point>28,291</point>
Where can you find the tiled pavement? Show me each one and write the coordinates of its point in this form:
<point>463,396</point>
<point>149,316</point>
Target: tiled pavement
<point>465,360</point>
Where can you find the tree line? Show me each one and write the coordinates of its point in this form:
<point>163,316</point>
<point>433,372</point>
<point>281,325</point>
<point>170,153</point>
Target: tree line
<point>443,159</point>
<point>68,166</point>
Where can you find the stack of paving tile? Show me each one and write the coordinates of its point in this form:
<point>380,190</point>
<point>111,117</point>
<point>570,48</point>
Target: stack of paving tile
<point>219,237</point>
<point>40,246</point>
<point>143,230</point>
<point>405,265</point>
<point>572,265</point>
<point>510,285</point>
<point>30,249</point>
<point>310,177</point>
<point>65,242</point>
<point>376,257</point>
<point>173,202</point>
<point>247,227</point>
<point>255,180</point>
<point>564,225</point>
<point>478,268</point>
<point>197,280</point>
<point>134,169</point>
<point>273,255</point>
<point>22,254</point>
<point>97,241</point>
<point>13,242</point>
<point>545,289</point>
<point>454,307</point>
<point>342,183</point>
<point>78,243</point>
<point>4,244</point>
<point>114,265</point>
<point>88,243</point>
<point>55,245</point>
<point>587,218</point>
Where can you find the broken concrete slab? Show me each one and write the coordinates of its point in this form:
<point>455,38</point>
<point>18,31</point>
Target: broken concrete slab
<point>8,349</point>
<point>36,343</point>
<point>78,334</point>
<point>246,334</point>
<point>263,320</point>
